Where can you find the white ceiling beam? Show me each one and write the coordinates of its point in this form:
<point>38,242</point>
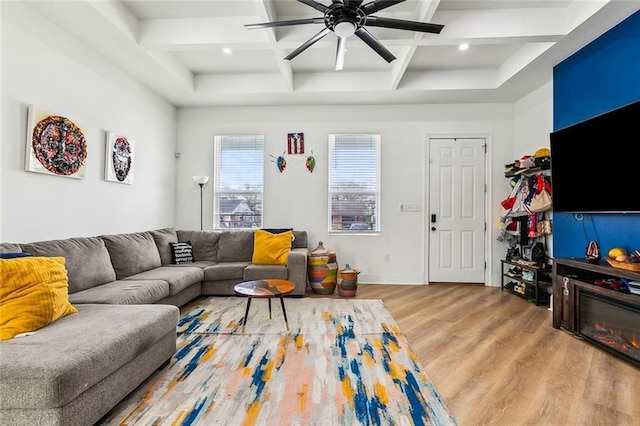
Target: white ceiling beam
<point>340,81</point>
<point>520,59</point>
<point>449,80</point>
<point>119,16</point>
<point>128,27</point>
<point>459,24</point>
<point>168,34</point>
<point>268,14</point>
<point>212,84</point>
<point>425,11</point>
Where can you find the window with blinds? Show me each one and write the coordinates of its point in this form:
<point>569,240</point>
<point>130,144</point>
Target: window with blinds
<point>354,183</point>
<point>238,181</point>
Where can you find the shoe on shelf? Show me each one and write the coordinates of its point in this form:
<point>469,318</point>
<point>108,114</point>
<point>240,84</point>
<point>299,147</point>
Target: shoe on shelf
<point>516,271</point>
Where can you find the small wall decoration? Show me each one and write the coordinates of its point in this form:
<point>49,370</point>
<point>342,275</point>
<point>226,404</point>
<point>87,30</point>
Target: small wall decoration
<point>119,158</point>
<point>295,143</point>
<point>281,163</point>
<point>311,162</point>
<point>55,145</point>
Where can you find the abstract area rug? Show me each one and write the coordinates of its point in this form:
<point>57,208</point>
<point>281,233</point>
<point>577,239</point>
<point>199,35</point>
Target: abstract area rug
<point>342,362</point>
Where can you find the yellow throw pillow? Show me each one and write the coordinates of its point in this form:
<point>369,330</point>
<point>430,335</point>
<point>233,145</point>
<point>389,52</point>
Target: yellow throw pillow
<point>271,249</point>
<point>34,293</point>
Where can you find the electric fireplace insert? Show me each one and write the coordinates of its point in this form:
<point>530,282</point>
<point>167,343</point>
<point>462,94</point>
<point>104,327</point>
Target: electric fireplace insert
<point>609,323</point>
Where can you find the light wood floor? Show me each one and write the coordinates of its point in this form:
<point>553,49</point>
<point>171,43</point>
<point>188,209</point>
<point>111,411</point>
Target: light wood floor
<point>496,359</point>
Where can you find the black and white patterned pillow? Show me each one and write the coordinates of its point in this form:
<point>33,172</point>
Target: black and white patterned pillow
<point>181,253</point>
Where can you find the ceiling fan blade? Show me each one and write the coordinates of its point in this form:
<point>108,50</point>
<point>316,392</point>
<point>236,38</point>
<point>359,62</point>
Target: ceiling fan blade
<point>314,4</point>
<point>373,43</point>
<point>401,24</point>
<point>376,5</point>
<point>308,43</point>
<point>340,52</point>
<point>285,23</point>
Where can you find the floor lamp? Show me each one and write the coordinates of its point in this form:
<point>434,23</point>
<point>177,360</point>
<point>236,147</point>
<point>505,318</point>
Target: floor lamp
<point>201,180</point>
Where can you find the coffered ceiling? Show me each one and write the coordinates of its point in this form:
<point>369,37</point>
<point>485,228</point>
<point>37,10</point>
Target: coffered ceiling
<point>176,48</point>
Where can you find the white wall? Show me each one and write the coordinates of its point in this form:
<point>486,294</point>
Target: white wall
<point>532,123</point>
<point>298,199</point>
<point>44,67</point>
<point>533,120</point>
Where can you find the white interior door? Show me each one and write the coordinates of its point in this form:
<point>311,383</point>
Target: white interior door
<point>456,217</point>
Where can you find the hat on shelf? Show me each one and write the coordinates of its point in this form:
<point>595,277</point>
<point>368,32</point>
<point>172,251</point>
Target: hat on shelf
<point>542,152</point>
<point>526,162</point>
<point>543,158</point>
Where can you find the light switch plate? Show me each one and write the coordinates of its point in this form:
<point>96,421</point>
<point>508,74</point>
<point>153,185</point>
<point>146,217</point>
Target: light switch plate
<point>410,207</point>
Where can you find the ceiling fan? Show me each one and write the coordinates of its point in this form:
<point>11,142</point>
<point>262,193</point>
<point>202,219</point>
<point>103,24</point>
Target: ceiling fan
<point>348,17</point>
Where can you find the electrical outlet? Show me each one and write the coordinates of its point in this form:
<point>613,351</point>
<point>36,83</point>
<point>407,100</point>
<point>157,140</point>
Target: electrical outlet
<point>387,257</point>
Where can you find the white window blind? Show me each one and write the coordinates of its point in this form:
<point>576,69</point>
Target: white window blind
<point>354,183</point>
<point>238,181</point>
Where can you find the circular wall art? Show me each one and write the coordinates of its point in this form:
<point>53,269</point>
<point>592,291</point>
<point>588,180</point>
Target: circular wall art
<point>59,145</point>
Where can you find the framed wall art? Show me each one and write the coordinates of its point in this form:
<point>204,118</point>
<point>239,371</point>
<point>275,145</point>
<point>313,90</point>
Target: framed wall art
<point>119,158</point>
<point>55,145</point>
<point>295,143</point>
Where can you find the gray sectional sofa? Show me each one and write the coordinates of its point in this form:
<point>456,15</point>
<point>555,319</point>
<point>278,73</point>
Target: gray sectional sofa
<point>128,295</point>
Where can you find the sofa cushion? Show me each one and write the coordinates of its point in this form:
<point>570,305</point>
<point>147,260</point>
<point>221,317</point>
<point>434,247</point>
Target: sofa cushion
<point>123,292</point>
<point>33,294</point>
<point>104,338</point>
<point>225,271</point>
<point>132,253</point>
<point>10,248</point>
<point>235,246</point>
<point>271,248</point>
<point>178,278</point>
<point>181,253</point>
<point>78,253</point>
<point>163,237</point>
<point>265,272</point>
<point>300,240</point>
<point>205,243</point>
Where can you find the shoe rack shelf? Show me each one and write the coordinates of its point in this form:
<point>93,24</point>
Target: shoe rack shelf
<point>527,280</point>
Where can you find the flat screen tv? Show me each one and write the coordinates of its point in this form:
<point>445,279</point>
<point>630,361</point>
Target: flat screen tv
<point>595,164</point>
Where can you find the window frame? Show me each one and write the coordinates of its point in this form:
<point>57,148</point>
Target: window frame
<point>218,192</point>
<point>376,193</point>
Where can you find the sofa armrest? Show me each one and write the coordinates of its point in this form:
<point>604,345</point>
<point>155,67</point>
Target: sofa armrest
<point>297,269</point>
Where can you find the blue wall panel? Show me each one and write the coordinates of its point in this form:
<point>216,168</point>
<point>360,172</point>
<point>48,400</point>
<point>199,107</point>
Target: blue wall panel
<point>602,76</point>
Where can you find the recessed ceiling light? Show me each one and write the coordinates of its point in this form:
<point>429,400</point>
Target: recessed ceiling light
<point>463,46</point>
<point>226,51</point>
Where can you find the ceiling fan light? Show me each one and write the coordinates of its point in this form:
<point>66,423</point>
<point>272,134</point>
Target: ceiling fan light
<point>344,29</point>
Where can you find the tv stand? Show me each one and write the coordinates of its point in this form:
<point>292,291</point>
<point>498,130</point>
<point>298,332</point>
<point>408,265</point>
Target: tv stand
<point>569,274</point>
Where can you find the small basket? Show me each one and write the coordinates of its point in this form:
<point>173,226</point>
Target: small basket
<point>635,267</point>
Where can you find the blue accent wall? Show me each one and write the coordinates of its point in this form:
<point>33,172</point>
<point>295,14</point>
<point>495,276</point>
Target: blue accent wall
<point>602,76</point>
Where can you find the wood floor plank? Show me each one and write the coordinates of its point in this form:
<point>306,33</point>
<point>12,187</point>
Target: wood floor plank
<point>496,359</point>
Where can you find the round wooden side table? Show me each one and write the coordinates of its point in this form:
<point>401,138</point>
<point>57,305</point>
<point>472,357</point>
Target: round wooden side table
<point>265,289</point>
